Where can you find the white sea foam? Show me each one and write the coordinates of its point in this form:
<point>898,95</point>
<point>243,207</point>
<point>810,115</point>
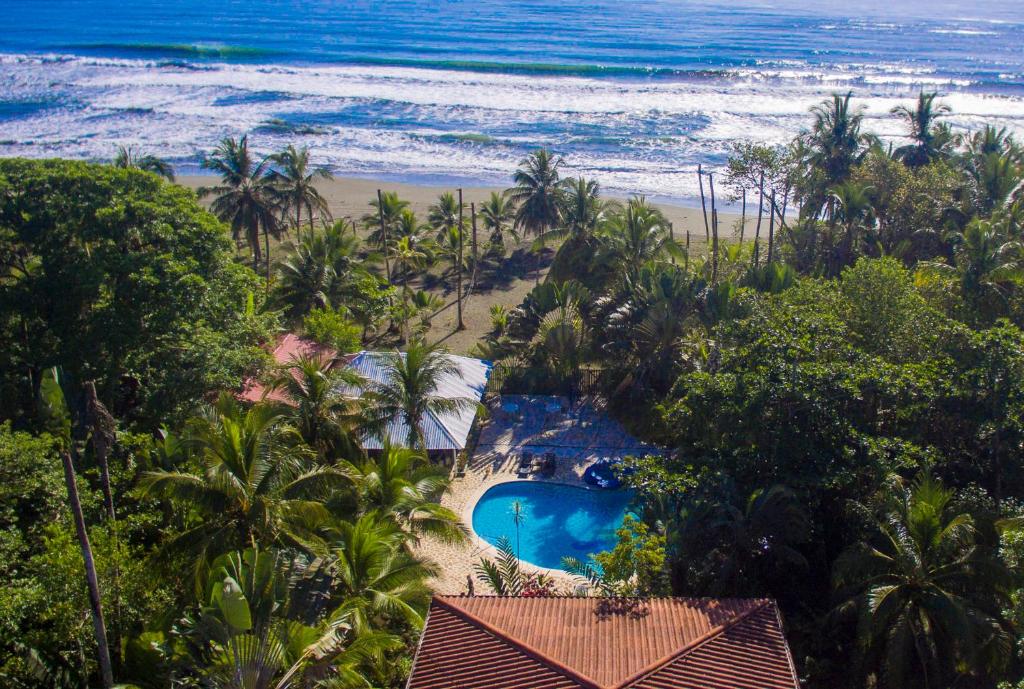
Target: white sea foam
<point>643,136</point>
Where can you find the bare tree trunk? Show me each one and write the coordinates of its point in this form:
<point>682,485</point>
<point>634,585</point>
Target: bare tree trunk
<point>687,249</point>
<point>771,228</point>
<point>103,650</point>
<point>476,253</point>
<point>266,242</point>
<point>458,294</point>
<point>384,234</point>
<point>703,206</point>
<point>714,231</point>
<point>760,215</point>
<point>743,216</point>
<point>672,238</point>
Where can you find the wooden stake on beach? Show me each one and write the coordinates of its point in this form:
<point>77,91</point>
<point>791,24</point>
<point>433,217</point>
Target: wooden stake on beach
<point>384,233</point>
<point>714,230</point>
<point>458,293</point>
<point>703,206</point>
<point>476,258</point>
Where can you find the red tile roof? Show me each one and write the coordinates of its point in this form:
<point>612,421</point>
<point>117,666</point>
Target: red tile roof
<point>489,642</point>
<point>288,347</point>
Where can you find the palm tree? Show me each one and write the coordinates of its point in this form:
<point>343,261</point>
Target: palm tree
<point>374,576</point>
<point>638,233</point>
<point>499,214</point>
<point>831,149</point>
<point>538,195</point>
<point>443,215</point>
<point>55,411</point>
<point>315,405</point>
<point>401,485</point>
<point>245,199</point>
<point>316,269</point>
<point>931,139</point>
<point>410,390</point>
<point>253,488</point>
<point>408,256</point>
<point>987,263</point>
<point>390,209</point>
<point>130,158</point>
<point>295,184</point>
<point>929,595</point>
<point>582,212</point>
<point>854,210</point>
<point>561,342</point>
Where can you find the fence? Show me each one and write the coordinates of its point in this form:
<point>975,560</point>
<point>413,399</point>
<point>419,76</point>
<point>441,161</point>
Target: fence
<point>507,379</point>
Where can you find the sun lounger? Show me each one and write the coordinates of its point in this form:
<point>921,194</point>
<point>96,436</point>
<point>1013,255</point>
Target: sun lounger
<point>525,465</point>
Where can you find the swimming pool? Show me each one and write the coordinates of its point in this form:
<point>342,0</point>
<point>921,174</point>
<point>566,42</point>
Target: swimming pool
<point>558,520</point>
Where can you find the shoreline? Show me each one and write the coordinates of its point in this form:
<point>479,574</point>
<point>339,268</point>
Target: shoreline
<point>349,197</point>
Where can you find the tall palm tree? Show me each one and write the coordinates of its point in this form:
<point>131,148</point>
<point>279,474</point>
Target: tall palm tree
<point>316,406</point>
<point>931,139</point>
<point>253,487</point>
<point>443,215</point>
<point>401,485</point>
<point>316,269</point>
<point>410,390</point>
<point>636,234</point>
<point>929,595</point>
<point>831,149</point>
<point>582,212</point>
<point>498,214</point>
<point>854,209</point>
<point>129,157</point>
<point>537,193</point>
<point>295,184</point>
<point>408,256</point>
<point>245,199</point>
<point>392,209</point>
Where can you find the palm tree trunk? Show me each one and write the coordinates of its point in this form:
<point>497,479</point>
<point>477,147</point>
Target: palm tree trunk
<point>703,206</point>
<point>760,215</point>
<point>476,257</point>
<point>714,231</point>
<point>103,650</point>
<point>771,227</point>
<point>266,243</point>
<point>687,250</point>
<point>384,234</point>
<point>458,285</point>
<point>672,238</point>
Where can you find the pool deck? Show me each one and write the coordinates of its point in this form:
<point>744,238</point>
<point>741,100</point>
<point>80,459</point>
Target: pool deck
<point>578,437</point>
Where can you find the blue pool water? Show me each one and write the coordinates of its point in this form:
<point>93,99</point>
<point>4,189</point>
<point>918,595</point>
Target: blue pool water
<point>559,520</point>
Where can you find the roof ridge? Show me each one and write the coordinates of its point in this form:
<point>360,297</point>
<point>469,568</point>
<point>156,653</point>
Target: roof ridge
<point>444,428</point>
<point>692,646</point>
<point>575,675</point>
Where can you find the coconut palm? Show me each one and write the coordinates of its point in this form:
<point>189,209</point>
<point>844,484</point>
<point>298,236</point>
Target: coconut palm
<point>443,215</point>
<point>634,235</point>
<point>253,487</point>
<point>498,214</point>
<point>410,390</point>
<point>928,594</point>
<point>931,139</point>
<point>401,485</point>
<point>537,195</point>
<point>408,256</point>
<point>390,209</point>
<point>374,576</point>
<point>854,210</point>
<point>582,212</point>
<point>245,199</point>
<point>316,269</point>
<point>129,157</point>
<point>830,150</point>
<point>314,404</point>
<point>295,180</point>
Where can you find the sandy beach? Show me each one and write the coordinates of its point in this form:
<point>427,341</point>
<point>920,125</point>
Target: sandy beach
<point>349,197</point>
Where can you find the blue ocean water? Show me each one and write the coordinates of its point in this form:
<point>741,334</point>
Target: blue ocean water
<point>635,93</point>
<point>557,520</point>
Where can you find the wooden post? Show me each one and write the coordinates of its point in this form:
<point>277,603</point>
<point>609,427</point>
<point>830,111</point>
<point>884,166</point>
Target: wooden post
<point>760,214</point>
<point>771,228</point>
<point>687,249</point>
<point>743,215</point>
<point>458,294</point>
<point>672,238</point>
<point>714,231</point>
<point>476,256</point>
<point>384,232</point>
<point>704,208</point>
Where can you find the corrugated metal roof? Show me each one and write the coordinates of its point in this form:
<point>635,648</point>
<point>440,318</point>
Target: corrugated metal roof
<point>675,643</point>
<point>447,431</point>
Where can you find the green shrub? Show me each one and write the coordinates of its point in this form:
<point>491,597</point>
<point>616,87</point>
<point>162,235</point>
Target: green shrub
<point>333,328</point>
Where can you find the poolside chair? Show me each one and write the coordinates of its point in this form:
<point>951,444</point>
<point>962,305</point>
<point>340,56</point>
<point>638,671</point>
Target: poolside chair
<point>548,466</point>
<point>525,465</point>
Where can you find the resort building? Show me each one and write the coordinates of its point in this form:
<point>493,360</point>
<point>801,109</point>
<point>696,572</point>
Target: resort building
<point>490,642</point>
<point>445,434</point>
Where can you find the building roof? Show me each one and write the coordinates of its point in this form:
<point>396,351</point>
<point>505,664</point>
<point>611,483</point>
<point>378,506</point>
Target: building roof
<point>491,642</point>
<point>287,348</point>
<point>445,431</point>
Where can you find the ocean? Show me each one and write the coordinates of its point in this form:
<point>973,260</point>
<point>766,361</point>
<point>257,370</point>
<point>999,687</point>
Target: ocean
<point>634,93</point>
